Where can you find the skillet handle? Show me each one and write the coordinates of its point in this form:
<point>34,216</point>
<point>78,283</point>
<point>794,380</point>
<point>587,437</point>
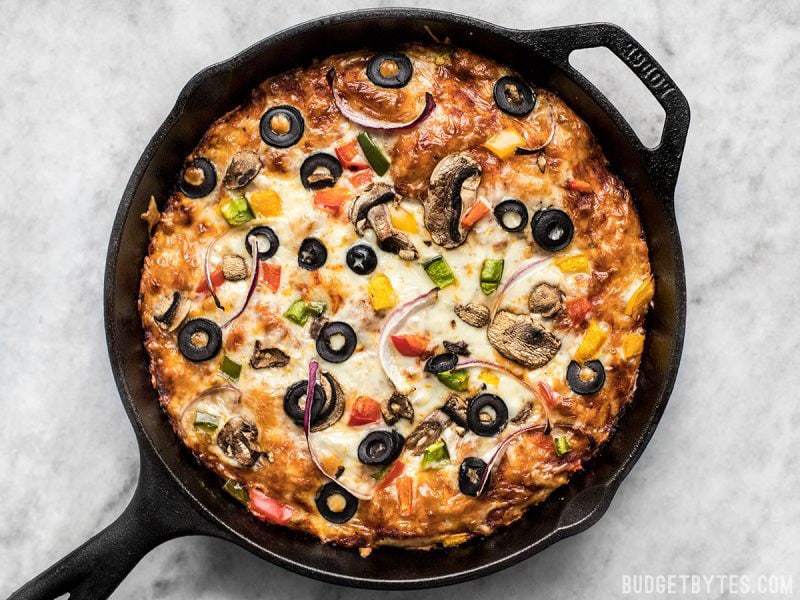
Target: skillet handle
<point>156,513</point>
<point>662,162</point>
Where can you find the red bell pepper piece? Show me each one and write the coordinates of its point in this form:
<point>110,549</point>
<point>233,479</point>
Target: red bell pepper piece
<point>579,185</point>
<point>410,345</point>
<point>331,199</point>
<point>391,474</point>
<point>271,273</point>
<point>217,279</point>
<point>365,410</point>
<point>350,156</point>
<point>360,179</point>
<point>475,213</point>
<point>577,309</point>
<point>268,509</point>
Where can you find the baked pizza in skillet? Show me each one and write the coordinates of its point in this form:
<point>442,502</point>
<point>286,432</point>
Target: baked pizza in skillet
<point>396,299</point>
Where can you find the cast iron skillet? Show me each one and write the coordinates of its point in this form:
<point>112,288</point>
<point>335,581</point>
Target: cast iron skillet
<point>176,497</point>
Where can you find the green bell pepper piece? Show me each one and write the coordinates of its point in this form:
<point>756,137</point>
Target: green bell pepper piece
<point>231,368</point>
<point>561,444</point>
<point>236,210</point>
<point>457,379</point>
<point>206,421</point>
<point>316,308</point>
<point>374,154</point>
<point>300,310</point>
<point>237,490</point>
<point>297,312</point>
<point>439,271</point>
<point>491,274</point>
<point>435,454</point>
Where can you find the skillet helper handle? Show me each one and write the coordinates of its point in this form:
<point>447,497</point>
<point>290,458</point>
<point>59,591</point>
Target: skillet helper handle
<point>156,513</point>
<point>662,162</point>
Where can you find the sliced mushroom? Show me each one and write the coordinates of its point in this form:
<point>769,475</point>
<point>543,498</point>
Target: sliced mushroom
<point>523,339</point>
<point>427,432</point>
<point>459,348</point>
<point>234,268</point>
<point>244,167</point>
<point>453,190</point>
<point>523,413</point>
<point>473,314</point>
<point>316,326</point>
<point>397,407</point>
<point>374,195</point>
<point>456,409</point>
<point>268,358</point>
<point>389,238</point>
<point>369,210</point>
<point>545,300</point>
<point>238,439</point>
<point>171,311</point>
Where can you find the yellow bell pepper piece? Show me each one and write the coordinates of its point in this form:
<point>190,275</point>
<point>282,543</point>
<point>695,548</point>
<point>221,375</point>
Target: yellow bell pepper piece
<point>640,298</point>
<point>575,263</point>
<point>489,378</point>
<point>404,220</point>
<point>266,203</point>
<point>454,539</point>
<point>381,293</point>
<point>632,345</point>
<point>505,143</point>
<point>592,342</point>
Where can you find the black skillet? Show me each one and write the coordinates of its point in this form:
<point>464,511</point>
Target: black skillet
<point>176,497</point>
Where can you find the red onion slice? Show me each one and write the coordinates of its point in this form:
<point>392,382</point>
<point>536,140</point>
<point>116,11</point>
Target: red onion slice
<point>359,118</point>
<point>495,455</point>
<point>523,271</point>
<point>533,149</point>
<point>207,269</point>
<point>313,368</point>
<point>395,319</point>
<point>253,283</point>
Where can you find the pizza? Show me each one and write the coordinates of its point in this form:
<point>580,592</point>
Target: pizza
<point>395,298</point>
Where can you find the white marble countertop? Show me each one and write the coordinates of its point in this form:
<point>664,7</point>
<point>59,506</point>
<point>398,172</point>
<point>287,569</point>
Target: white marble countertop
<point>83,85</point>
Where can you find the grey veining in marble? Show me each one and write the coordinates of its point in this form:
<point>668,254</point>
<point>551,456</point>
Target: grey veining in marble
<point>83,85</point>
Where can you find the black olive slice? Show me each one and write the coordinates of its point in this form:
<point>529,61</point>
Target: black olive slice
<point>392,70</point>
<point>282,126</point>
<point>513,96</point>
<point>552,229</point>
<point>380,447</point>
<point>361,259</point>
<point>312,254</point>
<point>199,339</point>
<point>470,474</point>
<point>319,171</point>
<point>579,383</point>
<point>512,215</point>
<point>336,342</point>
<point>198,178</point>
<point>295,393</point>
<point>487,414</point>
<point>266,240</point>
<point>335,503</point>
<point>441,362</point>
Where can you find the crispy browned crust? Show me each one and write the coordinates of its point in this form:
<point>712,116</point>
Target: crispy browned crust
<point>607,229</point>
